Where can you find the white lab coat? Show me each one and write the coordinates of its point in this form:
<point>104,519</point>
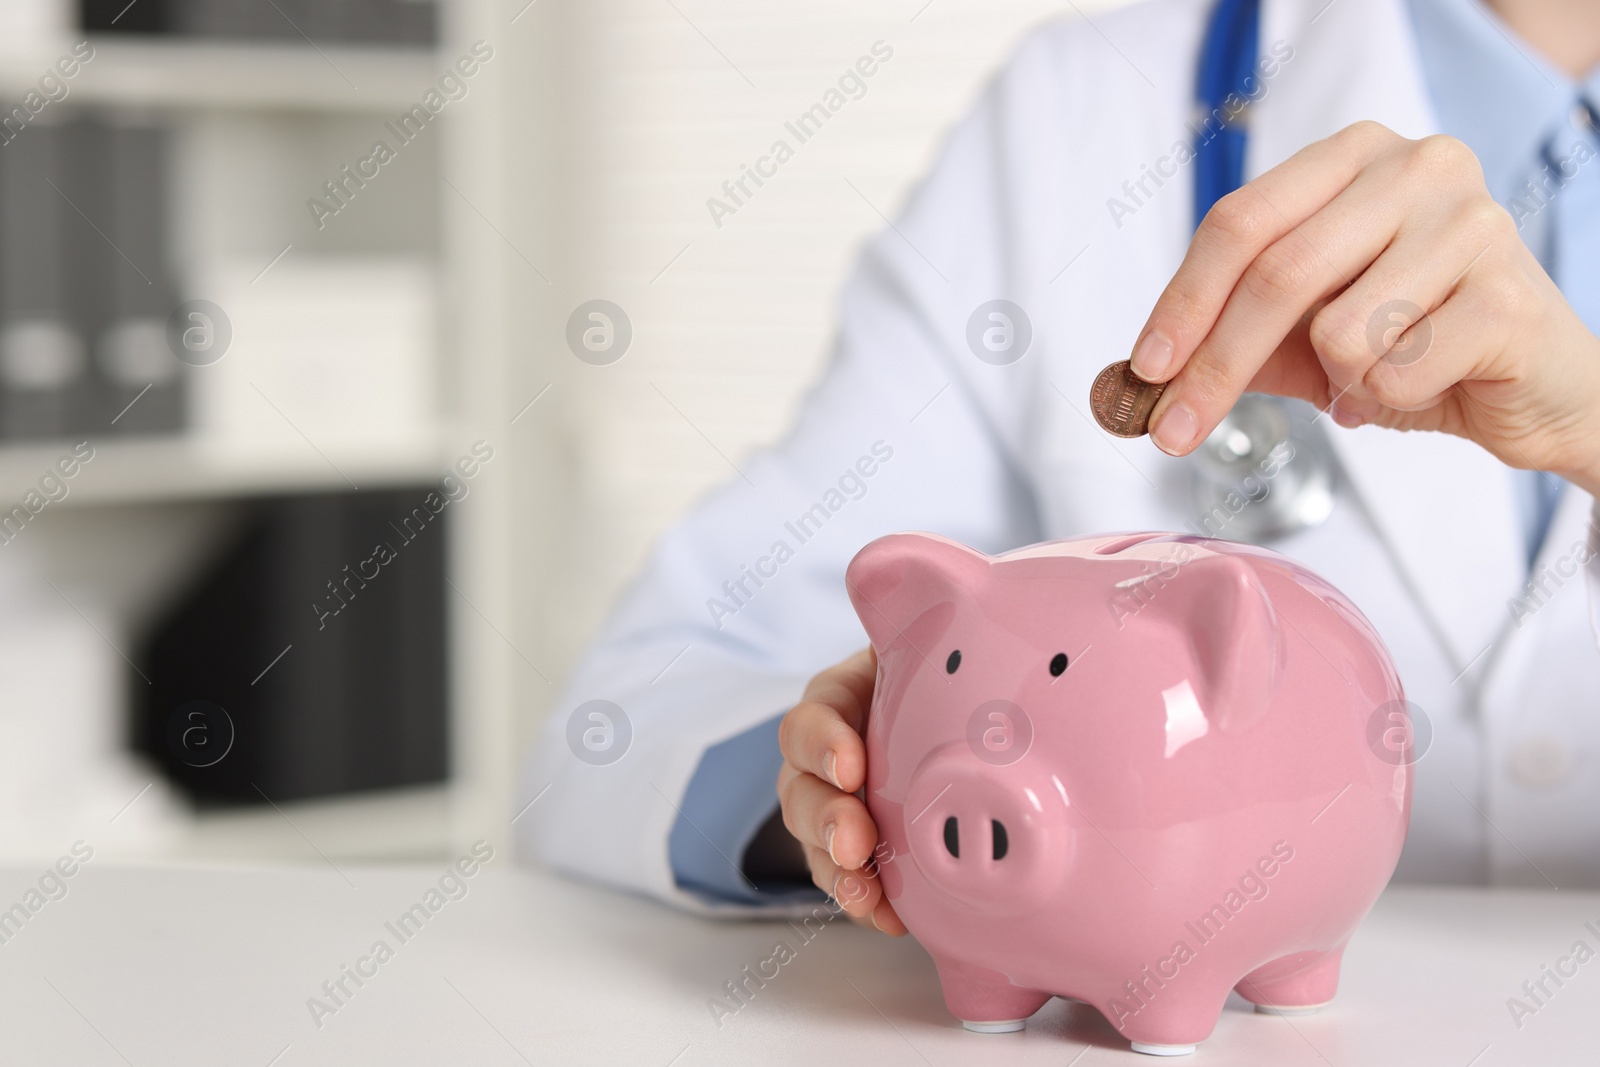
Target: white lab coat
<point>1424,538</point>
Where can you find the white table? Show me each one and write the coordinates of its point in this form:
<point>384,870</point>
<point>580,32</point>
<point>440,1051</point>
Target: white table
<point>210,966</point>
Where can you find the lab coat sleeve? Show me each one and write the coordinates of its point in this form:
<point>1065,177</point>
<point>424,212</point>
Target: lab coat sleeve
<point>744,599</point>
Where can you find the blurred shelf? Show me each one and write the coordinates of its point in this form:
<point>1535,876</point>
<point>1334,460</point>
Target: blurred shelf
<point>204,74</point>
<point>397,825</point>
<point>124,471</point>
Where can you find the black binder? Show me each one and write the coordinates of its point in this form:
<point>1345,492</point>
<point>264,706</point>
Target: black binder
<point>141,388</point>
<point>339,22</point>
<point>322,703</point>
<point>43,363</point>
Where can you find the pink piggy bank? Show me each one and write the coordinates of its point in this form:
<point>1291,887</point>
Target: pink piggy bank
<point>1138,771</point>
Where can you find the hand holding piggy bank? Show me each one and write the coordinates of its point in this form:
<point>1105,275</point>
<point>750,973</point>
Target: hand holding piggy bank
<point>1130,770</point>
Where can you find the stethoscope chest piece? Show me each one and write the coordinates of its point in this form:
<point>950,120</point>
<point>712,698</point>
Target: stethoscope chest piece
<point>1266,472</point>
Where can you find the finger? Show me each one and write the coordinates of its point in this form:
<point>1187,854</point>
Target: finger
<point>822,734</point>
<point>1236,229</point>
<point>819,815</point>
<point>858,892</point>
<point>1379,341</point>
<point>1319,257</point>
<point>1293,370</point>
<point>885,918</point>
<point>1453,342</point>
<point>814,738</point>
<point>846,687</point>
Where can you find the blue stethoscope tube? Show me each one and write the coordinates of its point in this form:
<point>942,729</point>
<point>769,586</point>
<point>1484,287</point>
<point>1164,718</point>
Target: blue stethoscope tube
<point>1227,66</point>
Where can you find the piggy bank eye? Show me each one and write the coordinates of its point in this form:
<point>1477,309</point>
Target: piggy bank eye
<point>953,662</point>
<point>1058,664</point>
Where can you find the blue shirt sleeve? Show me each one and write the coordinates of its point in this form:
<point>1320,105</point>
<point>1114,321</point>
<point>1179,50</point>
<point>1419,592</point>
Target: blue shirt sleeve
<point>729,797</point>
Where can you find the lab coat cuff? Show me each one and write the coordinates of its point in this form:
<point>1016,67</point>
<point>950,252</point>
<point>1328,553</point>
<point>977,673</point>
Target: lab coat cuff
<point>610,824</point>
<point>730,796</point>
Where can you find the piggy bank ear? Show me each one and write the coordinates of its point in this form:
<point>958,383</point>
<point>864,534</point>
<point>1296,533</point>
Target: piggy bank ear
<point>1220,605</point>
<point>896,579</point>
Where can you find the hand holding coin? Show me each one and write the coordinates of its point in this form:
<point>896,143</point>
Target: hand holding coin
<point>1121,402</point>
<point>1377,278</point>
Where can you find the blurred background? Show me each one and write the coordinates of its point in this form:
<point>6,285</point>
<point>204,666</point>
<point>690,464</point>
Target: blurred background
<point>318,464</point>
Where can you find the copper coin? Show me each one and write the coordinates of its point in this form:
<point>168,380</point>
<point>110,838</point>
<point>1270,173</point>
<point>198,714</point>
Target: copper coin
<point>1122,401</point>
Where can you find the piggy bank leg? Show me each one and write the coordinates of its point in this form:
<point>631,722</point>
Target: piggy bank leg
<point>985,1000</point>
<point>1170,1020</point>
<point>1298,984</point>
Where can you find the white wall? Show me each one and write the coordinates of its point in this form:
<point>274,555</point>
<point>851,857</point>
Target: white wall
<point>633,122</point>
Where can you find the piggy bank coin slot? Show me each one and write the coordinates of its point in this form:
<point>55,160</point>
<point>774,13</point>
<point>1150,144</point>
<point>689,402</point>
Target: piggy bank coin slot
<point>1111,548</point>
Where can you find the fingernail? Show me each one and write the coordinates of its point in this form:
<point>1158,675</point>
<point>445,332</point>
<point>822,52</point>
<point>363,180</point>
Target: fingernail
<point>873,915</point>
<point>1152,356</point>
<point>1174,431</point>
<point>828,830</point>
<point>830,767</point>
<point>1344,416</point>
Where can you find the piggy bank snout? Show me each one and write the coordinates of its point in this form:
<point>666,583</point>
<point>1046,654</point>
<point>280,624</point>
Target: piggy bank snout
<point>992,839</point>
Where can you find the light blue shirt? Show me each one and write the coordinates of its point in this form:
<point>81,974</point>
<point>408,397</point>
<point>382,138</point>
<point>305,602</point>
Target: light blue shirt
<point>1514,110</point>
